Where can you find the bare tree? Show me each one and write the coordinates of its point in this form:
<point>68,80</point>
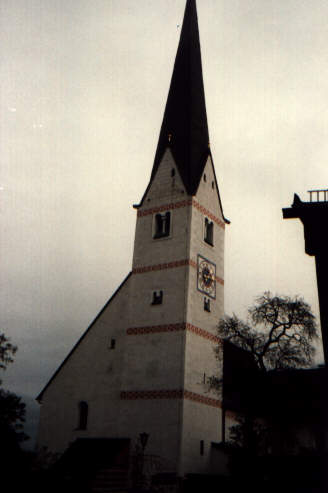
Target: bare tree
<point>279,332</point>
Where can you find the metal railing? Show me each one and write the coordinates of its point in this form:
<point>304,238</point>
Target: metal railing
<point>319,195</point>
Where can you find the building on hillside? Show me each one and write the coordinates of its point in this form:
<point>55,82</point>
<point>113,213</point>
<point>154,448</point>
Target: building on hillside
<point>141,366</point>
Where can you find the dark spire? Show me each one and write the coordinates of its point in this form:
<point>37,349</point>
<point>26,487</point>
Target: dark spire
<point>184,126</point>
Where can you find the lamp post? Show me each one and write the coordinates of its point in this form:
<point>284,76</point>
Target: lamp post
<point>143,439</point>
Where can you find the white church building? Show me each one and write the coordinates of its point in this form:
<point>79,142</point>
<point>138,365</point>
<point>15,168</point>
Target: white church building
<point>142,364</point>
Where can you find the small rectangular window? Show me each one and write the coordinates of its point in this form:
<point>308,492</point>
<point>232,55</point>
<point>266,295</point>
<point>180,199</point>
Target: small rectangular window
<point>162,225</point>
<point>202,447</point>
<point>112,343</point>
<point>208,231</point>
<point>157,298</point>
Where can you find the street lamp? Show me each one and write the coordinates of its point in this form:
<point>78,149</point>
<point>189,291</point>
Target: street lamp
<point>143,440</point>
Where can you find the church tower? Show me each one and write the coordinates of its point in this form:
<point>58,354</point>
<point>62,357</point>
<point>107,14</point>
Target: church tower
<point>161,323</point>
<point>177,277</point>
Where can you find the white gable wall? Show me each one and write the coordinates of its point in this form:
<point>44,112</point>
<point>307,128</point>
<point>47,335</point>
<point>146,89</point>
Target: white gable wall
<point>92,373</point>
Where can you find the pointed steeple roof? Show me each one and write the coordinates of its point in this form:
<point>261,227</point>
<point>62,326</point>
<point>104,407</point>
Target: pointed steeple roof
<point>184,126</point>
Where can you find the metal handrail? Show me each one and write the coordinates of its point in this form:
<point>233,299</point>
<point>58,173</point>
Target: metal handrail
<point>319,194</point>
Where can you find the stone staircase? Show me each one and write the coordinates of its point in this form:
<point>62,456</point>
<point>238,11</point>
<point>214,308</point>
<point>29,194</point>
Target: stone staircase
<point>94,465</point>
<point>110,479</point>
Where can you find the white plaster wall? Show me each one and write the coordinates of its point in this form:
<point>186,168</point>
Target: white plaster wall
<point>208,198</point>
<point>199,360</point>
<point>150,251</point>
<point>203,422</point>
<point>200,422</point>
<point>173,284</point>
<point>93,374</point>
<point>206,194</point>
<point>163,190</point>
<point>154,362</point>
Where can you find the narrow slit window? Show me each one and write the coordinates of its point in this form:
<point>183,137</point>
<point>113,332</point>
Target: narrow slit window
<point>201,447</point>
<point>207,304</point>
<point>172,172</point>
<point>83,415</point>
<point>112,343</point>
<point>157,298</point>
<point>162,225</point>
<point>208,231</point>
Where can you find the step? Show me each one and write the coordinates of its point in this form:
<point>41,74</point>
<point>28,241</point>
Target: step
<point>95,488</point>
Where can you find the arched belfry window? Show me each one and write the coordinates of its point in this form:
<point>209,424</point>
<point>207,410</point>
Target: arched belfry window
<point>83,415</point>
<point>162,225</point>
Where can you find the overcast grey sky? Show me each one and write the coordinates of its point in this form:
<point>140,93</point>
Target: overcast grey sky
<point>83,89</point>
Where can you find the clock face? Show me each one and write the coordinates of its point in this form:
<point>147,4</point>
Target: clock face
<point>206,282</point>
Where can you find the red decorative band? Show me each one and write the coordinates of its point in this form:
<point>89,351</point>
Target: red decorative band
<point>202,399</point>
<point>151,394</point>
<point>170,265</point>
<point>207,213</point>
<point>219,280</point>
<point>203,333</point>
<point>178,205</point>
<point>165,207</point>
<point>170,394</point>
<point>155,329</point>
